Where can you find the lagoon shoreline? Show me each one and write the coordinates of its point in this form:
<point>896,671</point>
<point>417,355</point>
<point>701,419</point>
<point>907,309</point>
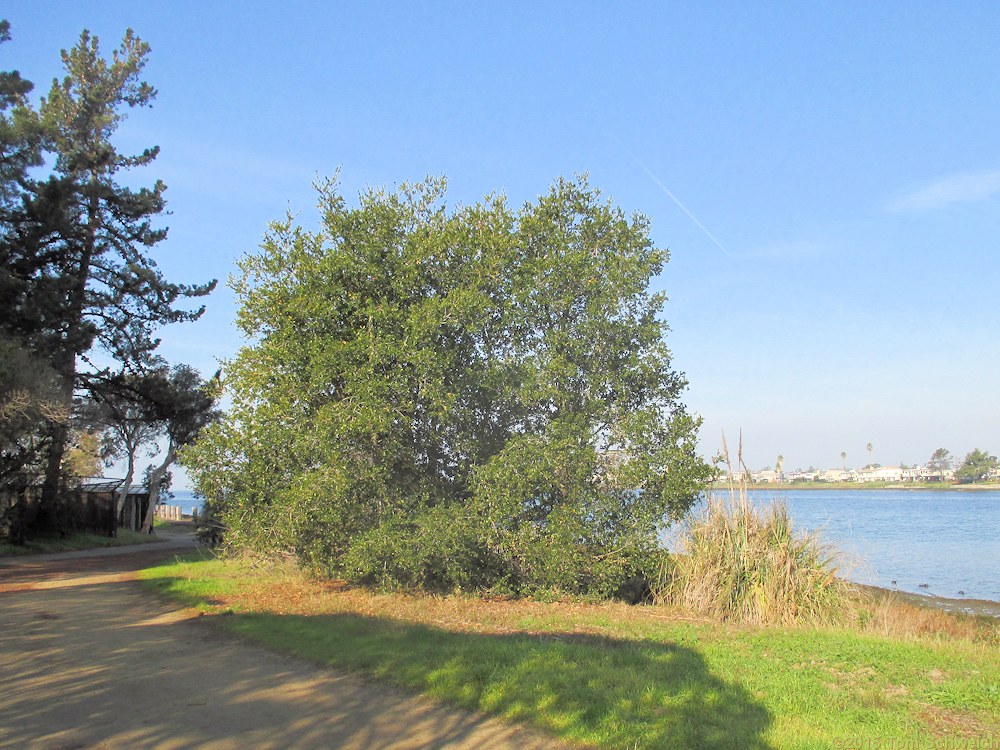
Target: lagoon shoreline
<point>931,541</point>
<point>896,486</point>
<point>984,607</point>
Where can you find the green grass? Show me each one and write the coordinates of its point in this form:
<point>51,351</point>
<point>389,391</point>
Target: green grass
<point>183,526</point>
<point>71,542</point>
<point>612,676</point>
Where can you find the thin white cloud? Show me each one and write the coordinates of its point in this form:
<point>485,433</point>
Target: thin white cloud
<point>969,187</point>
<point>672,197</point>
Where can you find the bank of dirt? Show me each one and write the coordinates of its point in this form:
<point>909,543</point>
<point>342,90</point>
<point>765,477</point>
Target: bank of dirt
<point>90,659</point>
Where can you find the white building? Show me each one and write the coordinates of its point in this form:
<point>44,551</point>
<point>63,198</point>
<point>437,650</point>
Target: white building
<point>767,476</point>
<point>880,474</point>
<point>836,475</point>
<point>809,475</point>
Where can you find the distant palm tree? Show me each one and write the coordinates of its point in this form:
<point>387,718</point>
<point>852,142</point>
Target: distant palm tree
<point>778,464</point>
<point>869,449</point>
<point>843,459</point>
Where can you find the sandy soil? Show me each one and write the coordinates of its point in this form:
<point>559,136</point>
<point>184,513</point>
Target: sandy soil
<point>89,659</point>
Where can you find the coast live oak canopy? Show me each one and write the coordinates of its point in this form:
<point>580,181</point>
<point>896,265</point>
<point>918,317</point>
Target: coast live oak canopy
<point>454,398</point>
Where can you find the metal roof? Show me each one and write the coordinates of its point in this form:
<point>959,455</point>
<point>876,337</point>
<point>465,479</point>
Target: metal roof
<point>106,484</point>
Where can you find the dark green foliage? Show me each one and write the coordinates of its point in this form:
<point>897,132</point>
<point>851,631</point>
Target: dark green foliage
<point>977,466</point>
<point>75,270</point>
<point>477,398</point>
<point>20,139</point>
<point>90,233</point>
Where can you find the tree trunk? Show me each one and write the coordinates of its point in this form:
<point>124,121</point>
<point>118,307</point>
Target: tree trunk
<point>47,516</point>
<point>154,487</point>
<point>19,518</point>
<point>64,363</point>
<point>122,494</point>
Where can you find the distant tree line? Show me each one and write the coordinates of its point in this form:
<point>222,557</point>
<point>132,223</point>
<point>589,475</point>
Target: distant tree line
<point>81,297</point>
<point>977,465</point>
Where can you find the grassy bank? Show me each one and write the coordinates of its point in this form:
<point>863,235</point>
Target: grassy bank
<point>71,542</point>
<point>615,676</point>
<point>45,544</point>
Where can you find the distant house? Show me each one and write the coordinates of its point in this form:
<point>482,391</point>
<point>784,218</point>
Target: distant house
<point>835,475</point>
<point>925,474</point>
<point>91,504</point>
<point>942,475</point>
<point>767,476</point>
<point>880,474</point>
<point>803,475</point>
<point>93,501</point>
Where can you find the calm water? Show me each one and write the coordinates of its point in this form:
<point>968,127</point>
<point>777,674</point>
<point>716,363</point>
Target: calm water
<point>186,499</point>
<point>949,540</point>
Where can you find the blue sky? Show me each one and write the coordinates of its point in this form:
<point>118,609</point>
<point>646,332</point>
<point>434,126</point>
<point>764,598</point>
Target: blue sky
<point>825,175</point>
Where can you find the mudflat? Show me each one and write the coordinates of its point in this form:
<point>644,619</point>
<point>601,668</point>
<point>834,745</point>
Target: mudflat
<point>90,659</point>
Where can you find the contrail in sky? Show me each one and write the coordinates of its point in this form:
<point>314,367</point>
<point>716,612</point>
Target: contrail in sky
<point>683,208</point>
<point>674,198</point>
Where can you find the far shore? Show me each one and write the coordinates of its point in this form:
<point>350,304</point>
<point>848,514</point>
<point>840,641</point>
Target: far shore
<point>969,606</point>
<point>932,486</point>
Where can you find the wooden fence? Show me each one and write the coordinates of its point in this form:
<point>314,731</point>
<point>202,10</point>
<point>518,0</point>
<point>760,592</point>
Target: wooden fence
<point>170,512</point>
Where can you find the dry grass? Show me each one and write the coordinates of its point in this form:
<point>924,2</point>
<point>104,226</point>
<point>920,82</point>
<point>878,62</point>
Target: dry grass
<point>889,614</point>
<point>741,564</point>
<point>282,588</point>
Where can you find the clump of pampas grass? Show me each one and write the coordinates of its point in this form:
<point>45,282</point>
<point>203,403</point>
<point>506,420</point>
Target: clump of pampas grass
<point>740,563</point>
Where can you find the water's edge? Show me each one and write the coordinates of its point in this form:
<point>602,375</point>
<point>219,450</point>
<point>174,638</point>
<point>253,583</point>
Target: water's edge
<point>935,545</point>
<point>965,606</point>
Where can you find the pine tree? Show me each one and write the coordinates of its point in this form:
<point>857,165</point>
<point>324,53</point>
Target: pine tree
<point>84,278</point>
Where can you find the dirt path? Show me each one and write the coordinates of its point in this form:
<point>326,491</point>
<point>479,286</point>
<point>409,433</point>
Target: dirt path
<point>89,659</point>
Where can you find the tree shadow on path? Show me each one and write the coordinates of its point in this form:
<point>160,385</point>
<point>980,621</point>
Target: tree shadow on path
<point>618,692</point>
<point>97,662</point>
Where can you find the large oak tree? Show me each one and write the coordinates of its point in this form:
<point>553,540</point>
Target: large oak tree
<point>477,397</point>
